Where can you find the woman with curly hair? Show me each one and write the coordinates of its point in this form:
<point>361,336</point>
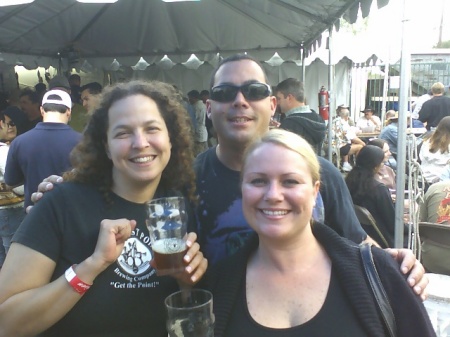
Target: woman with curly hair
<point>91,229</point>
<point>435,153</point>
<point>368,192</point>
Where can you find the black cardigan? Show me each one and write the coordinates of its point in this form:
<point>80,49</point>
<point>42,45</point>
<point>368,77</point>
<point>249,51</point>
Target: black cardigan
<point>225,279</point>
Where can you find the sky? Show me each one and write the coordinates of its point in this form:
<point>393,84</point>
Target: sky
<point>382,32</point>
<point>424,19</point>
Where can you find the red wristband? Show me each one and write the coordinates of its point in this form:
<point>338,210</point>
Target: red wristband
<point>77,285</point>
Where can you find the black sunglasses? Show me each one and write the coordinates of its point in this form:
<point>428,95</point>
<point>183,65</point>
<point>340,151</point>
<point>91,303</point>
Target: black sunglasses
<point>11,124</point>
<point>252,91</point>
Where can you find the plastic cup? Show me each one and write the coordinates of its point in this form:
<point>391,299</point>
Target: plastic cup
<point>190,314</point>
<point>166,222</point>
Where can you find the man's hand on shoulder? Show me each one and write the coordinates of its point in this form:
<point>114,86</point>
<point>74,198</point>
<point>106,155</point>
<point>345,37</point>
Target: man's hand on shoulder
<point>45,186</point>
<point>411,266</point>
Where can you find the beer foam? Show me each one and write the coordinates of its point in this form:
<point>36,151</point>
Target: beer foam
<point>169,246</point>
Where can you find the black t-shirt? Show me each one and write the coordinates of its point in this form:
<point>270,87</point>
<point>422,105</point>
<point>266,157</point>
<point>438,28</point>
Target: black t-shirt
<point>222,228</point>
<point>336,318</point>
<point>127,299</point>
<point>434,110</point>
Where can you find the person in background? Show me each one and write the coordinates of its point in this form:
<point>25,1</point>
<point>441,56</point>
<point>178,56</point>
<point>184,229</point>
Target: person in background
<point>435,208</point>
<point>417,105</point>
<point>388,115</point>
<point>368,123</point>
<point>368,192</point>
<point>84,251</point>
<point>90,95</point>
<point>435,108</point>
<point>386,174</point>
<point>44,150</point>
<point>436,204</point>
<point>435,153</point>
<point>189,108</point>
<point>75,88</point>
<point>390,131</point>
<point>11,200</point>
<point>40,89</point>
<point>4,100</point>
<point>30,103</point>
<point>299,118</point>
<point>204,95</point>
<point>257,291</point>
<point>338,113</point>
<point>212,136</point>
<point>349,144</point>
<point>201,134</point>
<point>78,114</point>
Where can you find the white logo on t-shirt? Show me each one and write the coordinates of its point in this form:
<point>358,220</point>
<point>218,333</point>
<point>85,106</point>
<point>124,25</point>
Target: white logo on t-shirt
<point>135,257</point>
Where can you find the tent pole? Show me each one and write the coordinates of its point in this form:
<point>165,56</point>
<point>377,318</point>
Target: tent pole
<point>385,92</point>
<point>332,97</point>
<point>302,49</point>
<point>405,67</point>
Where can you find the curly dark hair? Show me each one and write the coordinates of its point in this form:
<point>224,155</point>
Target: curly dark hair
<point>361,179</point>
<point>89,158</point>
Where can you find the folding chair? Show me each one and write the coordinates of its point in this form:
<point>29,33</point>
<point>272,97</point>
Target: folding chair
<point>370,225</point>
<point>435,247</point>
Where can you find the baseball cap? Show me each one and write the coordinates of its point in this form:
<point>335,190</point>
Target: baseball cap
<point>63,98</point>
<point>368,109</point>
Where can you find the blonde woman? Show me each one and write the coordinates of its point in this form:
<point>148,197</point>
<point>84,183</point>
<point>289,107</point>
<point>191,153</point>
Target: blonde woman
<point>296,277</point>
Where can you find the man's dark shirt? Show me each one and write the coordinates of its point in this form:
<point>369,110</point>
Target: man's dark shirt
<point>434,110</point>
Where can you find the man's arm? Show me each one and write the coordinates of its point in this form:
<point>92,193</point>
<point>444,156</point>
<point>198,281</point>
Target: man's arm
<point>424,113</point>
<point>338,204</point>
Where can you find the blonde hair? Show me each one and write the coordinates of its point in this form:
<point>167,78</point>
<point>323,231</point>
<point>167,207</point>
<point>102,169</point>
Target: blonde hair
<point>437,88</point>
<point>290,141</point>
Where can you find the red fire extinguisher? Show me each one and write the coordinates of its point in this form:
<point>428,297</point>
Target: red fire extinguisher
<point>324,102</point>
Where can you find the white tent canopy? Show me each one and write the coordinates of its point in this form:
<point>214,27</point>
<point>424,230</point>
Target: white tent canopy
<point>66,33</point>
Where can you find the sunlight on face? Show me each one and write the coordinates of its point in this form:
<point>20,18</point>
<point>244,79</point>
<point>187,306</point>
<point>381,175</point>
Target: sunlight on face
<point>138,141</point>
<point>241,120</point>
<point>277,199</point>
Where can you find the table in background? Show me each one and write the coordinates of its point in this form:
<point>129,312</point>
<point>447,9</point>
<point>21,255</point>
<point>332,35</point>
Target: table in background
<point>416,131</point>
<point>438,303</point>
<point>366,136</point>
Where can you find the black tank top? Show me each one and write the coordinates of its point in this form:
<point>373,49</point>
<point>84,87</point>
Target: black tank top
<point>336,318</point>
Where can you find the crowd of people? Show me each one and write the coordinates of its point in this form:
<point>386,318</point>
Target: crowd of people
<point>372,173</point>
<point>267,213</point>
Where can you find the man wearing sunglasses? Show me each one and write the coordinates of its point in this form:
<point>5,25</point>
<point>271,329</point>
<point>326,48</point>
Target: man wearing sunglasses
<point>240,107</point>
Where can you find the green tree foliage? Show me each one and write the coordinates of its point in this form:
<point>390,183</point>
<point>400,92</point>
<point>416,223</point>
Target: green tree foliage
<point>443,44</point>
<point>359,26</point>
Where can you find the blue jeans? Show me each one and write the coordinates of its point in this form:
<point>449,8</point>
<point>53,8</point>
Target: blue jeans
<point>10,219</point>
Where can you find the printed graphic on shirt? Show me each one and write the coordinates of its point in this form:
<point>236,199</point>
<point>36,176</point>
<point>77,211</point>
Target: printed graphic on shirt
<point>134,263</point>
<point>229,231</point>
<point>135,257</point>
<point>444,209</point>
